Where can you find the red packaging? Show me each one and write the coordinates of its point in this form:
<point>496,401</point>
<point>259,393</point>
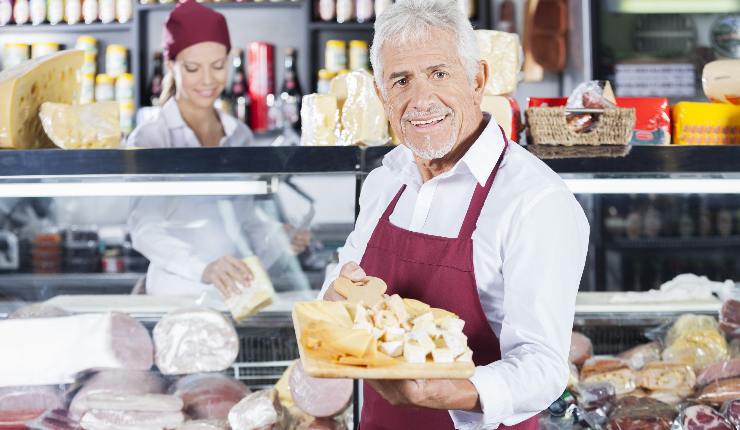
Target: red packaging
<point>261,77</point>
<point>652,116</point>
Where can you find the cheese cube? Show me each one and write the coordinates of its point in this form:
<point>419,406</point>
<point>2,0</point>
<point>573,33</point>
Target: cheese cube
<point>377,333</point>
<point>385,319</point>
<point>52,78</point>
<point>395,303</point>
<point>393,334</point>
<point>361,315</point>
<point>426,317</point>
<point>454,325</point>
<point>413,353</point>
<point>456,342</point>
<point>421,338</point>
<point>442,355</point>
<point>465,357</point>
<point>394,349</point>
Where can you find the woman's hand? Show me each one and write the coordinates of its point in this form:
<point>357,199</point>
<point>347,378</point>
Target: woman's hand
<point>351,270</point>
<point>300,239</point>
<point>227,274</point>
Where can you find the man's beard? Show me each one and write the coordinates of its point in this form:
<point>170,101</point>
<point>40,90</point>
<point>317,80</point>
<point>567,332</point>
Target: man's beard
<point>427,151</point>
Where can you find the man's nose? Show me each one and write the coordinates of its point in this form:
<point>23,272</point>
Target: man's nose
<point>423,96</point>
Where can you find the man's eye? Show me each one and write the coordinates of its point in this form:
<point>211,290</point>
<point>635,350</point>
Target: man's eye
<point>401,82</point>
<point>440,75</point>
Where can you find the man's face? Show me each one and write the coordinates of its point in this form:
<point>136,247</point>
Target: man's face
<point>427,96</point>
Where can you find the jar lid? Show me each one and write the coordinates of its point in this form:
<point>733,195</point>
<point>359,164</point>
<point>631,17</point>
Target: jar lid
<point>326,74</point>
<point>358,44</point>
<point>125,77</point>
<point>336,43</point>
<point>103,79</point>
<point>116,48</point>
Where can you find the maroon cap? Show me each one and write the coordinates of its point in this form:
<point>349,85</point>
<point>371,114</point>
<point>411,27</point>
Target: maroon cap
<point>191,23</point>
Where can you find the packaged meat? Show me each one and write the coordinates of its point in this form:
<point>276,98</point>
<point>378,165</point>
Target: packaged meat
<point>612,370</point>
<point>135,402</point>
<point>97,419</point>
<point>209,396</point>
<point>50,351</point>
<point>294,415</point>
<point>581,349</point>
<point>54,419</point>
<point>703,417</point>
<point>721,370</point>
<point>319,397</point>
<point>588,95</point>
<point>729,318</point>
<point>652,119</point>
<point>697,123</point>
<point>731,412</point>
<point>695,340</point>
<point>259,410</point>
<point>633,413</point>
<point>194,340</point>
<point>204,425</point>
<point>20,404</point>
<point>668,396</point>
<point>641,355</point>
<point>688,323</point>
<point>594,395</point>
<point>114,381</point>
<point>720,391</point>
<point>675,377</point>
<point>38,310</point>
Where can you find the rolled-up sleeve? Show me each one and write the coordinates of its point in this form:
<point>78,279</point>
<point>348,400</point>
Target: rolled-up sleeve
<point>543,254</point>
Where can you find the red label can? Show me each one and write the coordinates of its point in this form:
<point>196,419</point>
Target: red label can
<point>261,77</point>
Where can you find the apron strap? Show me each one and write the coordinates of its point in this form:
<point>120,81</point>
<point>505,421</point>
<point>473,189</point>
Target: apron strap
<point>479,197</point>
<point>392,205</point>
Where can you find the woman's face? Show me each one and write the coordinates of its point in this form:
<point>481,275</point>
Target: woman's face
<point>200,73</point>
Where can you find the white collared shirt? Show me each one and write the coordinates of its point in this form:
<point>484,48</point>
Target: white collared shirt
<point>181,235</point>
<point>529,251</point>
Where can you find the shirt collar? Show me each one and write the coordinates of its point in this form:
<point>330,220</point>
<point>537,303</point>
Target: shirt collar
<point>173,118</point>
<point>478,161</point>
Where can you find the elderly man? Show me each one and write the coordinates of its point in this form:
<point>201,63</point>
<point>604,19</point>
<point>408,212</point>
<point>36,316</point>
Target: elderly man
<point>462,219</point>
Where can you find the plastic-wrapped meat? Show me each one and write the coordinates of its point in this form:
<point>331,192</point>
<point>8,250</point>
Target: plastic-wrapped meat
<point>21,404</point>
<point>581,349</point>
<point>702,417</point>
<point>641,355</point>
<point>209,395</point>
<point>115,381</point>
<point>194,340</point>
<point>595,395</point>
<point>204,425</point>
<point>260,410</point>
<point>612,370</point>
<point>633,413</point>
<point>717,371</point>
<point>721,391</point>
<point>319,397</point>
<point>134,402</point>
<point>38,310</point>
<point>673,377</point>
<point>669,397</point>
<point>97,419</point>
<point>731,411</point>
<point>695,340</point>
<point>50,351</point>
<point>55,419</point>
<point>729,318</point>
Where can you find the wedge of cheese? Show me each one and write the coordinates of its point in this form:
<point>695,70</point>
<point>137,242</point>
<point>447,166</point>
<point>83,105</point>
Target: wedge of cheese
<point>319,120</point>
<point>94,125</point>
<point>52,78</point>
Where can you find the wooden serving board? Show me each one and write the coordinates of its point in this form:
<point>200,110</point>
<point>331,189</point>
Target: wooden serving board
<point>320,368</point>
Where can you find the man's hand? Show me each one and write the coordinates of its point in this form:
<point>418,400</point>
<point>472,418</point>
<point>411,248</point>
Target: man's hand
<point>458,394</point>
<point>226,274</point>
<point>351,270</point>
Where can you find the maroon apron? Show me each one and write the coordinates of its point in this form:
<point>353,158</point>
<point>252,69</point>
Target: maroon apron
<point>438,271</point>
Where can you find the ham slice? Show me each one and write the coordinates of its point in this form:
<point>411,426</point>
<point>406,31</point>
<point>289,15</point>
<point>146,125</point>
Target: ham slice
<point>721,370</point>
<point>721,391</point>
<point>633,413</point>
<point>581,349</point>
<point>319,397</point>
<point>260,410</point>
<point>96,419</point>
<point>194,340</point>
<point>702,417</point>
<point>115,382</point>
<point>209,396</point>
<point>55,419</point>
<point>673,377</point>
<point>50,351</point>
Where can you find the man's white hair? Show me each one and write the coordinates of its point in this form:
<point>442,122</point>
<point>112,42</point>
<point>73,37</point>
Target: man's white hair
<point>413,20</point>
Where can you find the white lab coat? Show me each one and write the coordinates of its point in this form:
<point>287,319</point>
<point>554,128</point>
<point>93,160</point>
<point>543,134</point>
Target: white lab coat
<point>181,235</point>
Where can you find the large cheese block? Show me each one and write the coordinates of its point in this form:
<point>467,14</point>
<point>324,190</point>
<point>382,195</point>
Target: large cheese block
<point>363,117</point>
<point>503,53</point>
<point>319,117</point>
<point>505,111</point>
<point>93,125</point>
<point>52,78</point>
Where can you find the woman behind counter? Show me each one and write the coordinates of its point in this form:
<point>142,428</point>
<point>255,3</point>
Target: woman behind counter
<point>184,238</point>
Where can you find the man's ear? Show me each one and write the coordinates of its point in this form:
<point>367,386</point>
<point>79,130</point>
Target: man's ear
<point>479,83</point>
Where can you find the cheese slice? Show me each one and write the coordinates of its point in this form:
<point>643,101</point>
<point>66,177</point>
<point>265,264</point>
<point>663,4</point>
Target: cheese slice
<point>94,125</point>
<point>52,78</point>
<point>331,312</point>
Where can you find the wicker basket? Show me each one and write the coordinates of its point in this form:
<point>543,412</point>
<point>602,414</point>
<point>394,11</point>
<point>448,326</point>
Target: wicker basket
<point>548,126</point>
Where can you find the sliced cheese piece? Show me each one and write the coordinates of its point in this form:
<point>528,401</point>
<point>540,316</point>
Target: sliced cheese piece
<point>52,78</point>
<point>452,324</point>
<point>430,328</point>
<point>423,319</point>
<point>319,310</point>
<point>414,353</point>
<point>257,296</point>
<point>465,357</point>
<point>393,334</point>
<point>415,307</point>
<point>393,349</point>
<point>386,319</point>
<point>94,125</point>
<point>442,355</point>
<point>395,303</point>
<point>421,338</point>
<point>456,342</point>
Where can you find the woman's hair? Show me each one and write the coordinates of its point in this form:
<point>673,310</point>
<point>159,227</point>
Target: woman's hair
<point>413,20</point>
<point>168,87</point>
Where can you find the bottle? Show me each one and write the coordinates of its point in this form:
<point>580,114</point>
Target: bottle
<point>89,11</point>
<point>381,5</point>
<point>6,12</point>
<point>104,91</point>
<point>325,77</point>
<point>72,11</point>
<point>364,10</point>
<point>55,11</point>
<point>125,87</point>
<point>21,12</point>
<point>107,10</point>
<point>155,86</point>
<point>116,60</point>
<point>238,91</point>
<point>38,11</point>
<point>327,10</point>
<point>335,55</point>
<point>39,49</point>
<point>124,9</point>
<point>345,11</point>
<point>506,17</point>
<point>291,94</point>
<point>358,55</point>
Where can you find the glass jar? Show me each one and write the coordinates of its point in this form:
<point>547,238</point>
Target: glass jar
<point>6,12</point>
<point>127,112</point>
<point>104,88</point>
<point>116,62</point>
<point>21,12</point>
<point>335,55</point>
<point>125,87</point>
<point>87,88</point>
<point>358,55</point>
<point>14,54</point>
<point>325,77</point>
<point>90,63</point>
<point>89,44</point>
<point>39,49</point>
